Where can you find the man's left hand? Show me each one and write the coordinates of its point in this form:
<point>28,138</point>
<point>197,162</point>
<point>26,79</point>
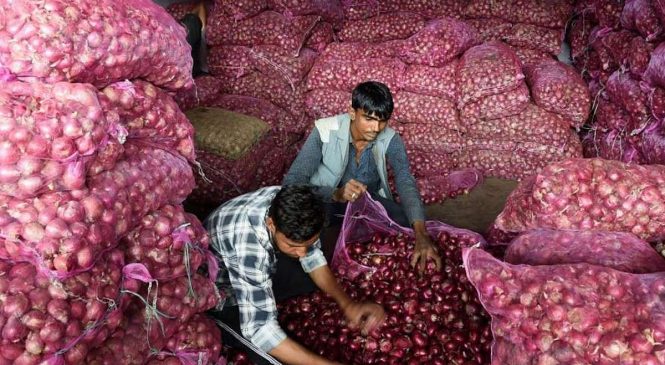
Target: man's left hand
<point>366,316</point>
<point>424,251</point>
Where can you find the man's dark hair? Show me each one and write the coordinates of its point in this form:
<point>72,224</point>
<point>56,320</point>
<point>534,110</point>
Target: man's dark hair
<point>297,212</point>
<point>374,98</point>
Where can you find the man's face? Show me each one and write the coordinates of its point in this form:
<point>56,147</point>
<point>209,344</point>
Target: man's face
<point>364,126</point>
<point>287,246</point>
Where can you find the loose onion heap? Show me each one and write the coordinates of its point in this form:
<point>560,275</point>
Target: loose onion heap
<point>430,319</point>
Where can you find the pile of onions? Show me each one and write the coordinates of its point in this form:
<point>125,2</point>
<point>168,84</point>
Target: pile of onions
<point>41,316</point>
<point>149,114</point>
<point>590,194</point>
<point>430,319</point>
<point>48,136</point>
<point>168,242</point>
<point>110,41</point>
<point>569,313</point>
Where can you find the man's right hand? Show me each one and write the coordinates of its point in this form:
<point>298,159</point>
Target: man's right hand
<point>349,192</point>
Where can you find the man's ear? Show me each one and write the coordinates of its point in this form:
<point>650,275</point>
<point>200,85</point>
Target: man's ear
<point>352,113</point>
<point>270,224</point>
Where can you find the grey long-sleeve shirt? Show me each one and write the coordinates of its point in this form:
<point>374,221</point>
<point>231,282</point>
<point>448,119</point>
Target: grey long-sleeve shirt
<point>309,159</point>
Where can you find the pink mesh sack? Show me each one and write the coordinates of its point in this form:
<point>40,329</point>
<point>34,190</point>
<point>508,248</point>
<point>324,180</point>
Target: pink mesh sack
<point>569,313</point>
<point>616,250</point>
<point>491,68</point>
<point>639,15</point>
<point>52,321</point>
<point>655,72</point>
<point>589,194</point>
<point>415,108</point>
<point>364,218</point>
<point>266,28</point>
<point>433,81</point>
<point>632,96</point>
<point>50,136</point>
<point>331,72</point>
<point>149,115</point>
<point>381,28</point>
<point>322,103</point>
<point>535,37</point>
<point>496,106</point>
<point>559,88</point>
<point>322,35</point>
<point>101,43</point>
<point>438,43</point>
<point>612,145</point>
<point>198,341</point>
<point>652,144</point>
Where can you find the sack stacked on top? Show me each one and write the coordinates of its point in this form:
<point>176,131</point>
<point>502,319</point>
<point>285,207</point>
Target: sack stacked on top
<point>618,47</point>
<point>94,171</point>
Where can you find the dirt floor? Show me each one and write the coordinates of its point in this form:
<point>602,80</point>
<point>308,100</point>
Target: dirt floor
<point>478,209</point>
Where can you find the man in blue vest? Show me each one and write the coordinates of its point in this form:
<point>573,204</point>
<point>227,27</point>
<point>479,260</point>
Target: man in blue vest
<point>346,156</point>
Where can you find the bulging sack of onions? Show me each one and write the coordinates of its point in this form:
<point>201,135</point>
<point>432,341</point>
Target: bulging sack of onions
<point>493,29</point>
<point>169,242</point>
<point>438,43</point>
<point>46,320</point>
<point>617,250</point>
<point>609,115</point>
<point>322,35</point>
<point>437,188</point>
<point>655,72</point>
<point>543,13</point>
<point>632,96</point>
<point>266,87</point>
<point>433,81</point>
<point>496,106</point>
<point>286,127</point>
<point>535,37</point>
<point>49,136</point>
<point>569,313</point>
<point>416,108</point>
<point>235,11</point>
<point>639,15</point>
<point>331,72</point>
<point>429,318</point>
<point>558,88</point>
<point>590,194</point>
<point>149,115</point>
<point>383,27</point>
<point>488,69</point>
<point>199,341</point>
<point>322,103</point>
<point>226,178</point>
<point>205,90</point>
<point>652,143</point>
<point>237,61</point>
<point>613,145</point>
<point>266,28</point>
<point>429,137</point>
<point>424,163</point>
<point>76,41</point>
<point>179,10</point>
<point>530,57</point>
<point>533,124</point>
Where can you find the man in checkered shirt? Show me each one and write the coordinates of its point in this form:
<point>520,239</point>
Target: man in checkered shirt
<point>265,242</point>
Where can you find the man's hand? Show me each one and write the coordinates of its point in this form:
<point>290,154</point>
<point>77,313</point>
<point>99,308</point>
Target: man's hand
<point>349,192</point>
<point>366,316</point>
<point>424,249</point>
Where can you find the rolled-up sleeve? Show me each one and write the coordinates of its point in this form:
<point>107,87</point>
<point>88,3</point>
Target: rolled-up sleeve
<point>404,180</point>
<point>306,164</point>
<point>314,258</point>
